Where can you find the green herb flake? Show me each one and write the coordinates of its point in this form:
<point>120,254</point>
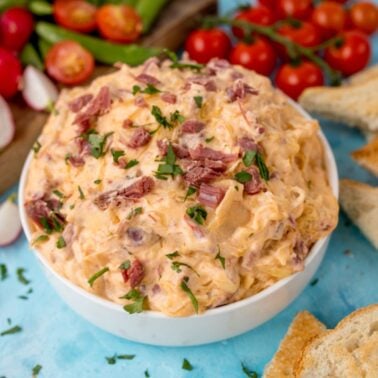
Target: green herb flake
<point>25,296</point>
<point>172,255</point>
<point>98,181</point>
<point>36,370</point>
<point>176,116</point>
<point>81,194</point>
<point>125,265</point>
<point>170,168</point>
<point>46,225</point>
<point>249,373</point>
<point>11,331</point>
<point>125,356</point>
<point>263,169</point>
<point>249,157</point>
<point>146,374</point>
<point>41,238</point>
<point>20,276</point>
<point>221,259</point>
<point>179,65</point>
<point>137,305</point>
<point>98,274</point>
<point>111,360</point>
<point>184,286</point>
<point>186,365</point>
<point>314,281</point>
<point>199,101</point>
<point>61,243</point>
<point>243,177</point>
<point>36,147</point>
<point>209,139</point>
<point>3,272</point>
<point>116,155</point>
<point>191,190</point>
<point>131,163</point>
<point>197,213</point>
<point>160,119</point>
<point>150,89</point>
<point>176,266</point>
<point>58,193</point>
<point>134,212</point>
<point>97,143</point>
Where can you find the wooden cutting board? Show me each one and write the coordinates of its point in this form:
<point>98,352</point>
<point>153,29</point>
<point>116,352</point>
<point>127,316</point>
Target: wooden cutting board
<point>170,30</point>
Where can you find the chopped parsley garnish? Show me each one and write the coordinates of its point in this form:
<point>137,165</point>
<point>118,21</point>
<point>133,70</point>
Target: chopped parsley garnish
<point>176,266</point>
<point>20,276</point>
<point>113,359</point>
<point>150,89</point>
<point>160,119</point>
<point>186,365</point>
<point>81,194</point>
<point>98,181</point>
<point>131,163</point>
<point>117,154</point>
<point>172,255</point>
<point>3,272</point>
<point>41,238</point>
<point>184,286</point>
<point>199,101</point>
<point>249,373</point>
<point>146,374</point>
<point>249,157</point>
<point>176,116</point>
<point>25,296</point>
<point>177,64</point>
<point>191,190</point>
<point>210,139</point>
<point>61,243</point>
<point>243,177</point>
<point>97,143</point>
<point>138,299</point>
<point>11,331</point>
<point>134,212</point>
<point>36,370</point>
<point>221,259</point>
<point>58,193</point>
<point>36,147</point>
<point>314,281</point>
<point>197,213</point>
<point>125,265</point>
<point>46,225</point>
<point>264,172</point>
<point>98,274</point>
<point>170,168</point>
<point>67,157</point>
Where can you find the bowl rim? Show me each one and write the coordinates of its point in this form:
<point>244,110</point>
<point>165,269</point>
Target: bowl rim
<point>332,175</point>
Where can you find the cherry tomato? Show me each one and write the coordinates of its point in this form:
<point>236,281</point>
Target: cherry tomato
<point>294,79</point>
<point>257,15</point>
<point>303,33</point>
<point>10,73</point>
<point>299,9</point>
<point>119,23</point>
<point>352,56</point>
<point>69,63</point>
<point>268,3</point>
<point>329,17</point>
<point>258,56</point>
<point>77,15</point>
<point>364,17</point>
<point>204,44</point>
<point>16,26</point>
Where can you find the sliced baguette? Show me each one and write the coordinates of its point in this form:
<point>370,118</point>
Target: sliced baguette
<point>370,73</point>
<point>355,105</point>
<point>348,351</point>
<point>360,202</point>
<point>303,328</point>
<point>367,156</point>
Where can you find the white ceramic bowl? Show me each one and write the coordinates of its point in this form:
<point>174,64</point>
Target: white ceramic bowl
<point>155,328</point>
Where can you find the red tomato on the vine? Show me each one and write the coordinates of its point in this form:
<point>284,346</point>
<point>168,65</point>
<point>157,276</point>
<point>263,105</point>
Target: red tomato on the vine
<point>352,55</point>
<point>364,17</point>
<point>294,79</point>
<point>16,27</point>
<point>10,73</point>
<point>205,44</point>
<point>268,3</point>
<point>69,63</point>
<point>257,15</point>
<point>258,56</point>
<point>119,23</point>
<point>329,17</point>
<point>299,9</point>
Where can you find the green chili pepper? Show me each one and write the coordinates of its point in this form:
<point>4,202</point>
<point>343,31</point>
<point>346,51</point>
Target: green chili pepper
<point>40,8</point>
<point>103,51</point>
<point>29,55</point>
<point>148,11</point>
<point>43,47</point>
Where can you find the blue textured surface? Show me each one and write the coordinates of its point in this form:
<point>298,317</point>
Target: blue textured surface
<point>67,346</point>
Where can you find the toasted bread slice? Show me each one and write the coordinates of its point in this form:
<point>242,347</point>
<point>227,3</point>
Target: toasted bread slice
<point>367,156</point>
<point>370,73</point>
<point>303,328</point>
<point>360,202</point>
<point>355,105</point>
<point>348,351</point>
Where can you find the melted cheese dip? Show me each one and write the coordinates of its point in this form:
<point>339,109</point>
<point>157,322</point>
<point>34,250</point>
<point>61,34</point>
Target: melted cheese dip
<point>246,242</point>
